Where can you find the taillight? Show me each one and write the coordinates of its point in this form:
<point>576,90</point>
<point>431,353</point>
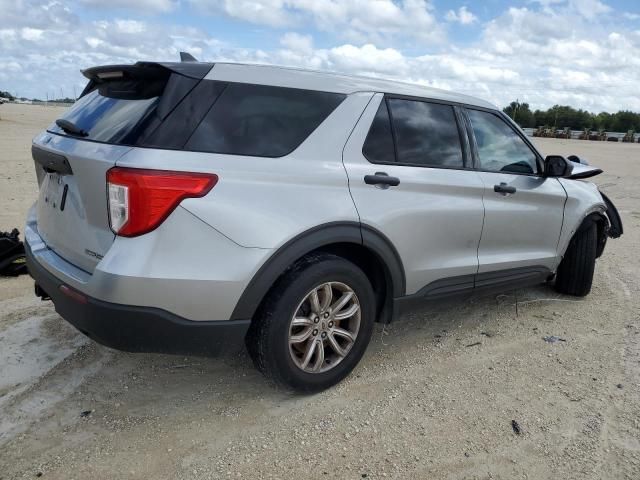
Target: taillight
<point>140,200</point>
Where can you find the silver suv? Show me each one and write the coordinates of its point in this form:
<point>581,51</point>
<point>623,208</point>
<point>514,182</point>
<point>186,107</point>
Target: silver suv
<point>185,207</point>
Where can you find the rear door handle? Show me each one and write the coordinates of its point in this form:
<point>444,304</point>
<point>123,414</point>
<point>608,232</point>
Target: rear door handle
<point>503,188</point>
<point>383,179</point>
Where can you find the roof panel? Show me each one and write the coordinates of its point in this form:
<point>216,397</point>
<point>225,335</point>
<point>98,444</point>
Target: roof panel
<point>331,82</point>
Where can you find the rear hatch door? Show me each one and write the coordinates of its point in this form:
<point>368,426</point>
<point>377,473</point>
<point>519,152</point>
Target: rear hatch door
<point>71,212</point>
<point>119,109</point>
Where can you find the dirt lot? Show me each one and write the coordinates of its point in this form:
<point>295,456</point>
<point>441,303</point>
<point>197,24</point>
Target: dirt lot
<point>434,397</point>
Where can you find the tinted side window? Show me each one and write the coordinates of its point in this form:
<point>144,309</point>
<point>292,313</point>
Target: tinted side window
<point>378,147</point>
<point>500,148</point>
<point>181,122</point>
<point>426,133</point>
<point>261,120</point>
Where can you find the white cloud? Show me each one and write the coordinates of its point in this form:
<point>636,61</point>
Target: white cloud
<point>368,59</point>
<point>589,9</point>
<point>36,14</point>
<point>544,53</point>
<point>631,16</point>
<point>356,20</point>
<point>273,13</point>
<point>297,43</point>
<point>31,34</point>
<point>144,6</point>
<point>462,16</point>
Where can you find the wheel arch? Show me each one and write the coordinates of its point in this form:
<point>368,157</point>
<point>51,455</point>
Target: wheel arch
<point>365,246</point>
<point>602,224</point>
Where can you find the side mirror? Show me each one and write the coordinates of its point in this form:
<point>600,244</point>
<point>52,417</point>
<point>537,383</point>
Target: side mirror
<point>576,159</point>
<point>557,166</point>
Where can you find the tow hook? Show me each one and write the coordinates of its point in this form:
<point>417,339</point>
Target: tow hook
<point>41,293</point>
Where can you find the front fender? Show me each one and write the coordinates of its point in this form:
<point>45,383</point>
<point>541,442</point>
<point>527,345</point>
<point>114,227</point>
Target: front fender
<point>615,222</point>
<point>583,200</point>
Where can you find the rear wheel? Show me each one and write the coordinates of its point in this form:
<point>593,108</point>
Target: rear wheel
<point>575,273</point>
<point>315,324</point>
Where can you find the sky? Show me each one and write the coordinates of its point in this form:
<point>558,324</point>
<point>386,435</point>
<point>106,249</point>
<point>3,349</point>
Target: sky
<point>583,53</point>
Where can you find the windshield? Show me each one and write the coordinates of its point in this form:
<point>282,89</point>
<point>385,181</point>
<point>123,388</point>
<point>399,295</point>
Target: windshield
<point>111,120</point>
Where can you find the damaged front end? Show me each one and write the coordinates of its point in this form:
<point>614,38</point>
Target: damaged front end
<point>609,225</point>
<point>579,169</point>
<point>574,168</point>
<point>614,229</point>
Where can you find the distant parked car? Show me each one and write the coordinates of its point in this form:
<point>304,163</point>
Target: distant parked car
<point>186,207</point>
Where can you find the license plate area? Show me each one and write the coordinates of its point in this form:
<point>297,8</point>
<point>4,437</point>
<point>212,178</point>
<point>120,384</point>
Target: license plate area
<point>55,192</point>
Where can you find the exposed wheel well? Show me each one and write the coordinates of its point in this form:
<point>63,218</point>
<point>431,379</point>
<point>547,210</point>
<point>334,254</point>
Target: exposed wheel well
<point>602,224</point>
<point>372,266</point>
<point>375,270</point>
<point>364,246</point>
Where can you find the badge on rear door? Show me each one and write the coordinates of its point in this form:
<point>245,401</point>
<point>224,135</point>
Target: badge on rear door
<point>93,254</point>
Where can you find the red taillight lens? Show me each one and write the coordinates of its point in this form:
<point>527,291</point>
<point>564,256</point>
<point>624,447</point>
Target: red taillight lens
<point>140,200</point>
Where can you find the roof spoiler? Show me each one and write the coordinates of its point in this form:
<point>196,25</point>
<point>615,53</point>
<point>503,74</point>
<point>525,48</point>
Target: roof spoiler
<point>145,70</point>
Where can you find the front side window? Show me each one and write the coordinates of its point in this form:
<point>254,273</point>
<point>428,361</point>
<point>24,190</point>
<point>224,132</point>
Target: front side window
<point>261,120</point>
<point>500,149</point>
<point>426,134</point>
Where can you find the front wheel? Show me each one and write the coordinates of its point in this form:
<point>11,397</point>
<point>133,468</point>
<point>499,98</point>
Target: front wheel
<point>315,324</point>
<point>575,273</point>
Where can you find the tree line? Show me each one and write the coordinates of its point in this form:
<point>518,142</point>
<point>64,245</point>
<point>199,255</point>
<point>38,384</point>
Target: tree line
<point>561,116</point>
<point>7,95</point>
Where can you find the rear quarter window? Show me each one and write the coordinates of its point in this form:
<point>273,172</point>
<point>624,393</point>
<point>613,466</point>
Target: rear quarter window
<point>260,120</point>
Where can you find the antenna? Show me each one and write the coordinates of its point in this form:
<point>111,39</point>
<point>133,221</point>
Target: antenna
<point>187,57</point>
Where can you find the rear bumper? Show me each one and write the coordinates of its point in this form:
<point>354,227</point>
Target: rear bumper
<point>137,329</point>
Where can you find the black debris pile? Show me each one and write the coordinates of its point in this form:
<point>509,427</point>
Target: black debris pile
<point>553,339</point>
<point>517,429</point>
<point>12,260</point>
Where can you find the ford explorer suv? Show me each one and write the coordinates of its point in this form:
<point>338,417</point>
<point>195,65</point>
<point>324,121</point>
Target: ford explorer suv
<point>187,207</point>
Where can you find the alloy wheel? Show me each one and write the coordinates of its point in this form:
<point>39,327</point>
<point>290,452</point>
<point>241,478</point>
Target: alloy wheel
<point>324,327</point>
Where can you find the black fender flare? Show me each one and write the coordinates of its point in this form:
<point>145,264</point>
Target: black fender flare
<point>602,221</point>
<point>314,239</point>
<point>615,229</point>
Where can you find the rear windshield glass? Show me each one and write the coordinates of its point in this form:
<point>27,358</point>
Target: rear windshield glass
<point>261,120</point>
<point>110,120</point>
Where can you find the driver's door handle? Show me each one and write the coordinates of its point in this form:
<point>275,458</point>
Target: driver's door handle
<point>503,188</point>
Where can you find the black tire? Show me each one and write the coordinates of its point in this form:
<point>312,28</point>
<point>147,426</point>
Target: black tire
<point>575,273</point>
<point>268,337</point>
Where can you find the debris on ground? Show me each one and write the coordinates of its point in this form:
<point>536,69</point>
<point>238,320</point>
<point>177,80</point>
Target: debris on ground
<point>86,413</point>
<point>12,259</point>
<point>516,427</point>
<point>553,339</point>
<point>473,344</point>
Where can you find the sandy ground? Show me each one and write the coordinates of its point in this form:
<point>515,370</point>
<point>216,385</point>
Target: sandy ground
<point>434,397</point>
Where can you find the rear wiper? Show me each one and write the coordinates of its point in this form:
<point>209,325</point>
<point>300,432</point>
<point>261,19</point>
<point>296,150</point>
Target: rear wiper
<point>71,127</point>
